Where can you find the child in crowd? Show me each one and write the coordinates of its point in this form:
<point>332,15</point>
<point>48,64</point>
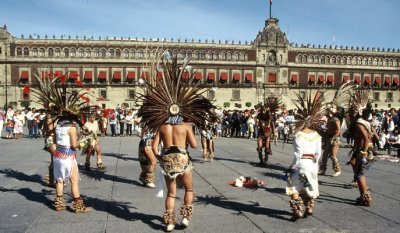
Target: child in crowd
<point>9,128</point>
<point>286,130</point>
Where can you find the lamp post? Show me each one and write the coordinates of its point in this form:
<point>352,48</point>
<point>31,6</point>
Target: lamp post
<point>6,74</point>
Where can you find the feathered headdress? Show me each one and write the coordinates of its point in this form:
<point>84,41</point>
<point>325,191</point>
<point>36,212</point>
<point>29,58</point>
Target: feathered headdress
<point>310,111</point>
<point>341,100</point>
<point>58,102</point>
<point>173,97</point>
<point>273,103</point>
<point>359,99</point>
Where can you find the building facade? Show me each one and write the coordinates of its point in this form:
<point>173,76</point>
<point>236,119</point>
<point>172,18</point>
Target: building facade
<point>239,75</point>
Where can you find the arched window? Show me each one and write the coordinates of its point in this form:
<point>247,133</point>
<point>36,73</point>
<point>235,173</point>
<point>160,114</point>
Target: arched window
<point>215,55</point>
<point>73,52</point>
<point>50,52</point>
<point>66,52</point>
<point>333,60</point>
<point>103,53</point>
<point>386,62</point>
<point>34,52</point>
<point>117,53</point>
<point>41,52</point>
<point>132,53</point>
<point>196,55</point>
<point>57,52</point>
<point>88,53</point>
<point>96,53</point>
<point>228,56</point>
<point>202,55</point>
<point>316,59</point>
<point>126,53</point>
<point>81,52</point>
<point>209,55</point>
<point>323,60</point>
<point>222,56</point>
<point>391,62</point>
<point>328,60</point>
<point>19,52</point>
<point>140,54</point>
<point>111,53</point>
<point>189,54</point>
<point>360,61</point>
<point>235,56</point>
<point>26,51</point>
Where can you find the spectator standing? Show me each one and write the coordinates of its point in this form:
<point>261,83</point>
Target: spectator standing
<point>129,120</point>
<point>121,120</point>
<point>2,117</point>
<point>113,122</point>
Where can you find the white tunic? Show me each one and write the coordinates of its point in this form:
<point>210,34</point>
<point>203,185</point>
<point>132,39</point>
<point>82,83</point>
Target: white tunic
<point>306,169</point>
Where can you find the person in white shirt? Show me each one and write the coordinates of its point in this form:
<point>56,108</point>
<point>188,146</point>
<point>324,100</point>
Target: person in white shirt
<point>129,120</point>
<point>92,127</point>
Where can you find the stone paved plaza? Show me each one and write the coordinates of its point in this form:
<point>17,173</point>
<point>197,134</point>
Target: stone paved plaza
<point>121,204</point>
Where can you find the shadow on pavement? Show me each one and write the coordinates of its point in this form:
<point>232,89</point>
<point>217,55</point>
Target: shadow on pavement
<point>338,185</point>
<point>22,176</point>
<point>119,156</point>
<point>121,210</point>
<point>99,175</point>
<point>329,198</point>
<point>252,207</point>
<point>30,195</point>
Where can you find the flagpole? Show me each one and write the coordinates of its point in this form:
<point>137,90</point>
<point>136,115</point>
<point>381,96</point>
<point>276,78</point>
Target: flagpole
<point>270,9</point>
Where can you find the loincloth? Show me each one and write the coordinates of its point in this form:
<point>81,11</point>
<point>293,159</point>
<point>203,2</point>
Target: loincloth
<point>174,162</point>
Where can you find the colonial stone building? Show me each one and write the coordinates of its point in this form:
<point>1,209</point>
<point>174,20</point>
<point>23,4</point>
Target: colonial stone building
<point>240,74</point>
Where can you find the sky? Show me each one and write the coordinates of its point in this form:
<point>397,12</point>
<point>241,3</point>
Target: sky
<point>362,23</point>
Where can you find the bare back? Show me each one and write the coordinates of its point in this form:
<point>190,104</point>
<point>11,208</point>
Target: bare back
<point>174,135</point>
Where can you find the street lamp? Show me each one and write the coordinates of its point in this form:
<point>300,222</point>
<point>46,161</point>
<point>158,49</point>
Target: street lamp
<point>6,73</point>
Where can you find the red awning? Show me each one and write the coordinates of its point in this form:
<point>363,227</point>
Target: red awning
<point>58,74</point>
<point>185,75</point>
<point>223,77</point>
<point>159,75</point>
<point>330,79</point>
<point>145,75</point>
<point>73,75</point>
<point>311,78</point>
<point>395,81</point>
<point>211,76</point>
<point>387,80</point>
<point>357,79</point>
<point>198,76</point>
<point>236,77</point>
<point>249,77</point>
<point>367,79</point>
<point>272,78</point>
<point>117,75</point>
<point>102,75</point>
<point>24,75</point>
<point>346,78</point>
<point>378,80</point>
<point>294,78</point>
<point>321,79</point>
<point>131,75</point>
<point>88,75</point>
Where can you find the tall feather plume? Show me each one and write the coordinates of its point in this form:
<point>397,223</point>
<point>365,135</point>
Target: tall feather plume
<point>342,95</point>
<point>310,111</point>
<point>273,103</point>
<point>49,94</point>
<point>173,89</point>
<point>359,99</point>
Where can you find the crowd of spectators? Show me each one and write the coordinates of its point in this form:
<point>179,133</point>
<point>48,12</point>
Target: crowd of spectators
<point>232,124</point>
